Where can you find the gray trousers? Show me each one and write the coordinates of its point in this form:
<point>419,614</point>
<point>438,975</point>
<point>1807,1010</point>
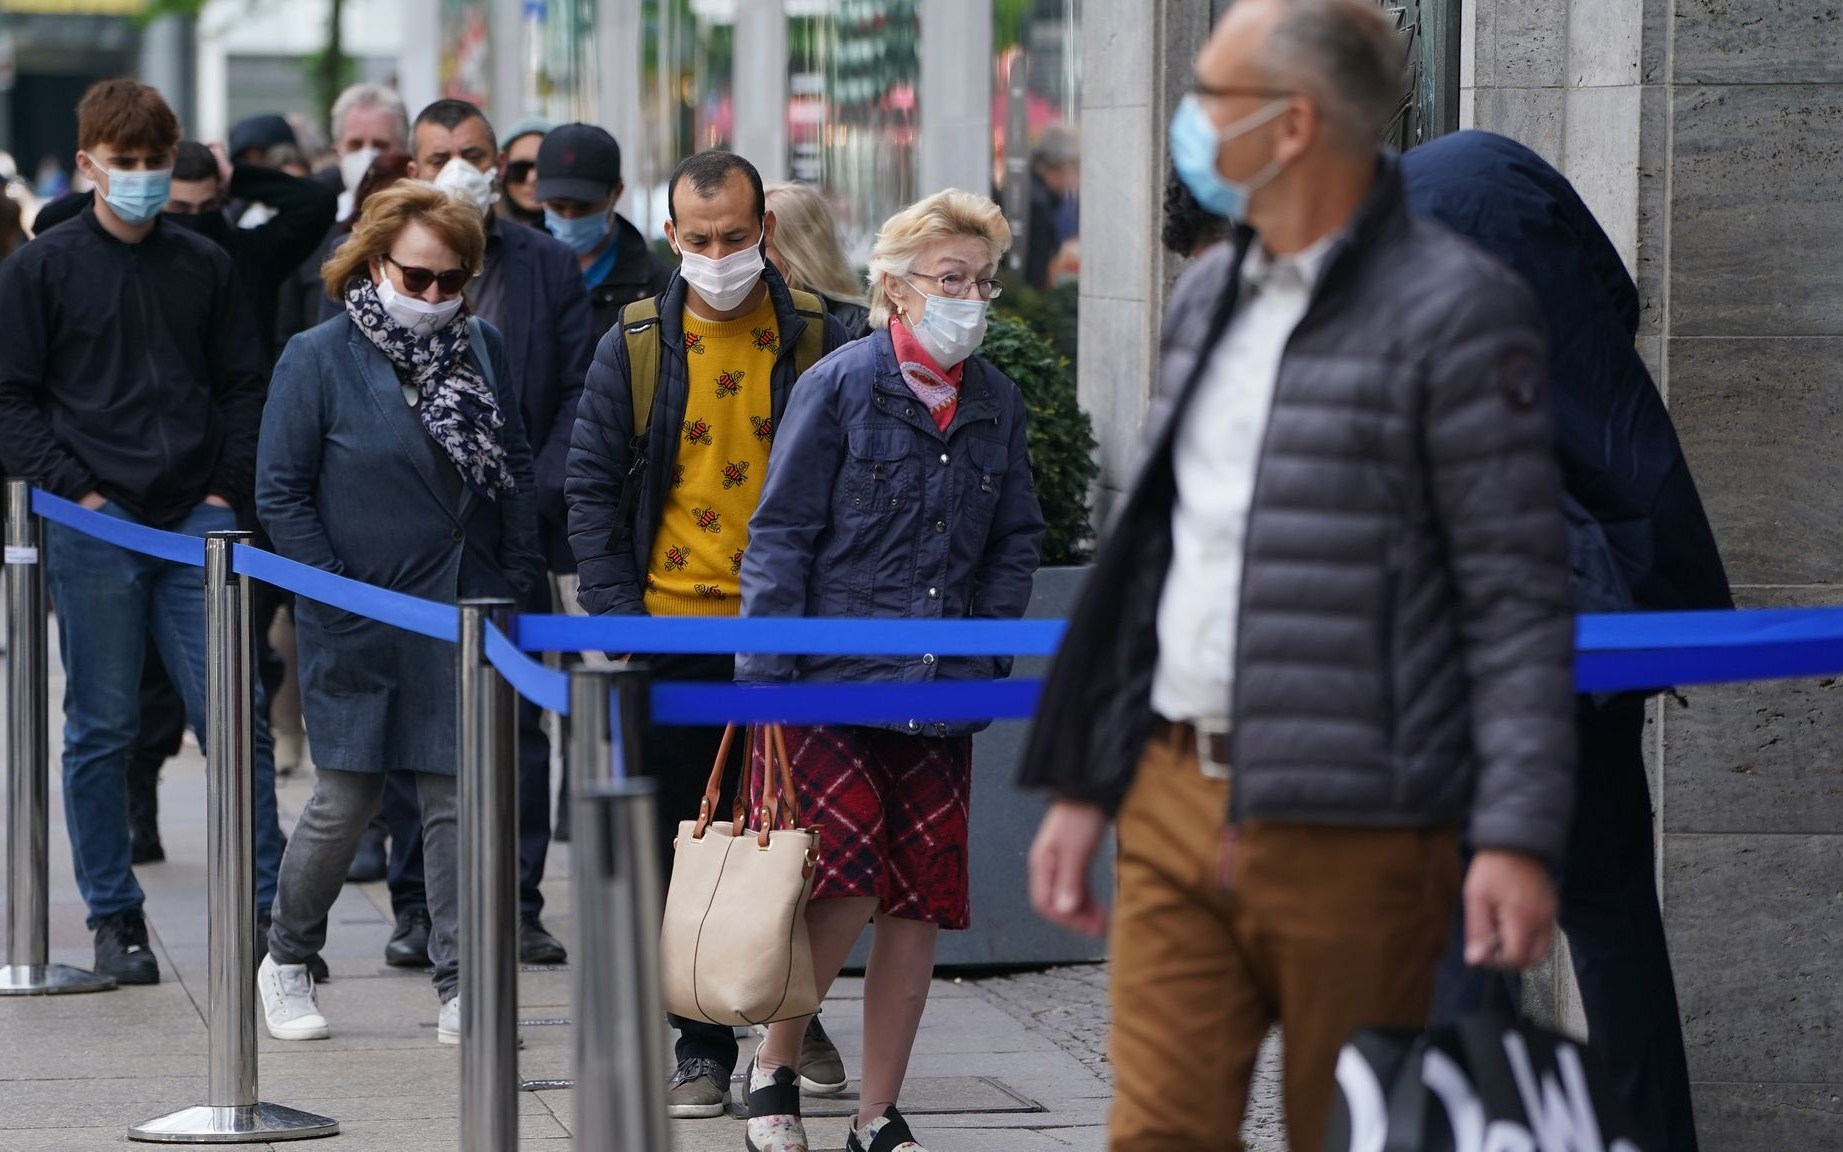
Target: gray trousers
<point>321,850</point>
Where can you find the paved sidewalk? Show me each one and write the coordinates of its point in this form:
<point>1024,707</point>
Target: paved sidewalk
<point>1012,1063</point>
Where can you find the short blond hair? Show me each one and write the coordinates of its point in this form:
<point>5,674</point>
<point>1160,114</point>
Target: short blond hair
<point>906,235</point>
<point>387,213</point>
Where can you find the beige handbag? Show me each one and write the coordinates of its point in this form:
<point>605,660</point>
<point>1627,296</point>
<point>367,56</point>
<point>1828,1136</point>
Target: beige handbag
<point>734,949</point>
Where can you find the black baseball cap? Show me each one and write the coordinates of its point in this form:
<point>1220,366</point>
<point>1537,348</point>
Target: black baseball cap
<point>260,133</point>
<point>578,162</point>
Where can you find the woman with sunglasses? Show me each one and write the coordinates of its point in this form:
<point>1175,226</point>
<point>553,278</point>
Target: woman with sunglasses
<point>518,160</point>
<point>392,452</point>
<point>899,487</point>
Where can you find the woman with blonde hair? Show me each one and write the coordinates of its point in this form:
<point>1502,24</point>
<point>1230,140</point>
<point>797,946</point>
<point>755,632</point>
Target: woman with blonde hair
<point>899,488</point>
<point>806,252</point>
<point>392,452</point>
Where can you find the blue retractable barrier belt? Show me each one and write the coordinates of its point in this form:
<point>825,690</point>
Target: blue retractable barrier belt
<point>1615,653</point>
<point>789,636</point>
<point>545,687</point>
<point>429,618</point>
<point>814,703</point>
<point>173,546</point>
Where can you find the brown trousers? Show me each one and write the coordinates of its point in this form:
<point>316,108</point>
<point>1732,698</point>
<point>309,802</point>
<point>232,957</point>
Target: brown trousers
<point>1325,930</point>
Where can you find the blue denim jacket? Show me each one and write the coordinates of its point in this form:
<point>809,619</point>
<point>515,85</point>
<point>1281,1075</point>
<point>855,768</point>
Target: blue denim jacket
<point>871,510</point>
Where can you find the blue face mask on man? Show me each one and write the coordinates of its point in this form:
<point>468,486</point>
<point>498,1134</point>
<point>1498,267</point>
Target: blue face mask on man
<point>137,197</point>
<point>583,234</point>
<point>1195,142</point>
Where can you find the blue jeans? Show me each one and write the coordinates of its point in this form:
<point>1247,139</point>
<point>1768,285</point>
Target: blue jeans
<point>109,602</point>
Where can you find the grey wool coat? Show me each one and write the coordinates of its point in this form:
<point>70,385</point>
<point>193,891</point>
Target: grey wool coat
<point>347,480</point>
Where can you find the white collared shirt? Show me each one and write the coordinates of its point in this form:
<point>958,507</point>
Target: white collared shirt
<point>1215,455</point>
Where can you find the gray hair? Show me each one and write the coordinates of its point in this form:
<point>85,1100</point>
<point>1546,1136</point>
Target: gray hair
<point>1058,145</point>
<point>369,96</point>
<point>1348,55</point>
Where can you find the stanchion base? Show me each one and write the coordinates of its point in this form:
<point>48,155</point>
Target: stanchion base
<point>49,980</point>
<point>256,1124</point>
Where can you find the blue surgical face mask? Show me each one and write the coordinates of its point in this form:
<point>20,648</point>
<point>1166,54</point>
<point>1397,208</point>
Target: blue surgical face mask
<point>583,234</point>
<point>137,197</point>
<point>950,329</point>
<point>1194,144</point>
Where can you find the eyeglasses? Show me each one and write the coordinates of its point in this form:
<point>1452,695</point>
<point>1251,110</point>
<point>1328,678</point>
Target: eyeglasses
<point>960,286</point>
<point>519,171</point>
<point>417,280</point>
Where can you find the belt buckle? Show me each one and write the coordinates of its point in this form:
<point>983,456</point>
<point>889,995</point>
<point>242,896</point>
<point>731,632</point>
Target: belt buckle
<point>1213,748</point>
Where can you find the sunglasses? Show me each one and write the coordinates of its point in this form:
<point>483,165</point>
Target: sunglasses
<point>417,280</point>
<point>519,171</point>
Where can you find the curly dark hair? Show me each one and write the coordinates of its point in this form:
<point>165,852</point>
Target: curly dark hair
<point>1188,227</point>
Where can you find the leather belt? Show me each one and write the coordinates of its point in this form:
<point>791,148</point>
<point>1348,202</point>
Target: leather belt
<point>1208,738</point>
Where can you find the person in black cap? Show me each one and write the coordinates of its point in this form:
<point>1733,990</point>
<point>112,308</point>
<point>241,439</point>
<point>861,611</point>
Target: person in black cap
<point>251,138</point>
<point>579,182</point>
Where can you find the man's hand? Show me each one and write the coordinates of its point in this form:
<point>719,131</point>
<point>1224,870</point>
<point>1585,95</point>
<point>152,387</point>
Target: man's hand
<point>217,501</point>
<point>1509,911</point>
<point>93,501</point>
<point>1059,863</point>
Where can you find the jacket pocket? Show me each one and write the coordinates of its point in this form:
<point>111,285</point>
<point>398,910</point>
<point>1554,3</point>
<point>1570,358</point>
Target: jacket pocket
<point>878,476</point>
<point>982,480</point>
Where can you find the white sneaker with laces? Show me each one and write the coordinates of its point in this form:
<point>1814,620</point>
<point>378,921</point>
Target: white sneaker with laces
<point>448,1024</point>
<point>288,1004</point>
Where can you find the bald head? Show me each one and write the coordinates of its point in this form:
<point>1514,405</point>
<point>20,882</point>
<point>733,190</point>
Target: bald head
<point>1345,55</point>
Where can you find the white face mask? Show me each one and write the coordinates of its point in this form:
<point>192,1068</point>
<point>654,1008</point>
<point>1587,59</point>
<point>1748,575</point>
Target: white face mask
<point>950,330</point>
<point>724,284</point>
<point>354,165</point>
<point>418,317</point>
<point>463,181</point>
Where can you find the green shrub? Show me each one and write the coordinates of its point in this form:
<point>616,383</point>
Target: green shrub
<point>1051,312</point>
<point>1061,436</point>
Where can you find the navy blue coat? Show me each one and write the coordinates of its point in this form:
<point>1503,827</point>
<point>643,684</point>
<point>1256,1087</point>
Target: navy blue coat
<point>1638,533</point>
<point>549,333</point>
<point>870,510</point>
<point>347,480</point>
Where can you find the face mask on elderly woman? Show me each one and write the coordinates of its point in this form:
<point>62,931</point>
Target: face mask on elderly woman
<point>950,329</point>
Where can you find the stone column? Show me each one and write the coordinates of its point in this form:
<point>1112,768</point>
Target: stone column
<point>955,146</point>
<point>1136,64</point>
<point>617,86</point>
<point>419,61</point>
<point>759,87</point>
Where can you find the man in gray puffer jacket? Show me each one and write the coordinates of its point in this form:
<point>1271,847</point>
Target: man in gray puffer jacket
<point>1333,625</point>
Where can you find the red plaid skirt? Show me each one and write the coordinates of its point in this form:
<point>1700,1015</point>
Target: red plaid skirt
<point>891,810</point>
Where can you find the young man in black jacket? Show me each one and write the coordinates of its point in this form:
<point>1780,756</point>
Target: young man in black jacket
<point>579,183</point>
<point>132,382</point>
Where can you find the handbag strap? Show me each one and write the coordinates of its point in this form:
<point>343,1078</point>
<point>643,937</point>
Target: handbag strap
<point>708,806</point>
<point>779,810</point>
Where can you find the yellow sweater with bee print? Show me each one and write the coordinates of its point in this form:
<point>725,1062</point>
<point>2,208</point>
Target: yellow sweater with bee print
<point>696,566</point>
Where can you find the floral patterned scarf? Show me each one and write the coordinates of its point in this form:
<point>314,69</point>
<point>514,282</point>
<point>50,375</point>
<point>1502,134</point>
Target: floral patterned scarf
<point>455,404</point>
<point>938,389</point>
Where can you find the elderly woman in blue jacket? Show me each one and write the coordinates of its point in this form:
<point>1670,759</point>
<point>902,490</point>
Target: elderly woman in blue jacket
<point>899,487</point>
<point>392,452</point>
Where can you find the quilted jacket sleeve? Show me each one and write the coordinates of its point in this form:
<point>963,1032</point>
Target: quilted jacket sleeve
<point>1496,488</point>
<point>595,478</point>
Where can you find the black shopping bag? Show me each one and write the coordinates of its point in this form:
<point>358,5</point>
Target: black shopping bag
<point>1488,1084</point>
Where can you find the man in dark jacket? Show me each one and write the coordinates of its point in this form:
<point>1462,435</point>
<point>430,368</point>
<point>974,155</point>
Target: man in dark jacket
<point>1639,541</point>
<point>531,290</point>
<point>728,332</point>
<point>579,183</point>
<point>264,257</point>
<point>132,382</point>
<point>1333,624</point>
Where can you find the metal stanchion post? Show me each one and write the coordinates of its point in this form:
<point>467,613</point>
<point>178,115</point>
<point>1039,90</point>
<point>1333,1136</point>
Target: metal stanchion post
<point>28,970</point>
<point>614,855</point>
<point>232,1113</point>
<point>489,887</point>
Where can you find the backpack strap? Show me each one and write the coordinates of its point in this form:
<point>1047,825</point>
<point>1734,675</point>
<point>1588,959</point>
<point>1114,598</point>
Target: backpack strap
<point>640,328</point>
<point>811,348</point>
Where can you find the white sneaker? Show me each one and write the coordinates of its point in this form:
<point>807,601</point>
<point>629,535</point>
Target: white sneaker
<point>448,1024</point>
<point>288,1002</point>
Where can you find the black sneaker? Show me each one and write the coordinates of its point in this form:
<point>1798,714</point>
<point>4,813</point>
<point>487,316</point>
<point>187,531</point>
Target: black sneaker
<point>144,845</point>
<point>536,945</point>
<point>892,1135</point>
<point>699,1090</point>
<point>122,950</point>
<point>409,944</point>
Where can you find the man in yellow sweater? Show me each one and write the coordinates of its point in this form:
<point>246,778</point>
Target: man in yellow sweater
<point>659,522</point>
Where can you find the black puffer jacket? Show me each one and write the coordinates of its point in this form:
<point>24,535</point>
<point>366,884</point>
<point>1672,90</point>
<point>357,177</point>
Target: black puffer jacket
<point>1406,630</point>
